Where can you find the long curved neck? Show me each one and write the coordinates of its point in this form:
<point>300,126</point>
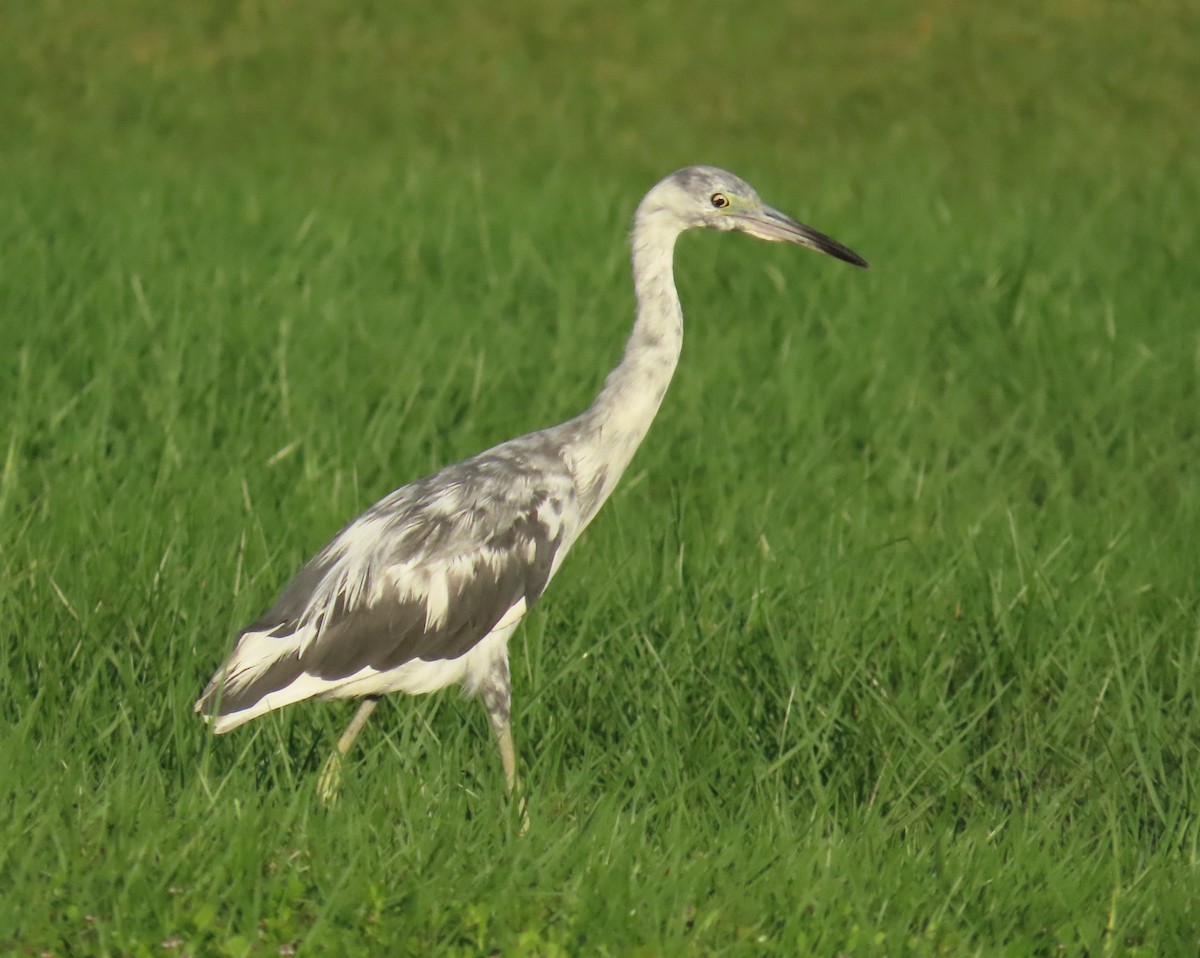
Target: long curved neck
<point>615,424</point>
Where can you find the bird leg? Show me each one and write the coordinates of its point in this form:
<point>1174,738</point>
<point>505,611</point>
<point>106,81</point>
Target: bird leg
<point>331,774</point>
<point>508,754</point>
<point>496,693</point>
<point>497,699</point>
<point>508,758</point>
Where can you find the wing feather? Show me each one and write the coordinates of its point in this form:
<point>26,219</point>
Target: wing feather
<point>425,573</point>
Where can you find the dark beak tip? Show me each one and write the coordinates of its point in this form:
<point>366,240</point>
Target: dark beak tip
<point>848,256</point>
<point>782,228</point>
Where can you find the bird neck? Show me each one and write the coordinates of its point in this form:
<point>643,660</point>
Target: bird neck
<point>615,424</point>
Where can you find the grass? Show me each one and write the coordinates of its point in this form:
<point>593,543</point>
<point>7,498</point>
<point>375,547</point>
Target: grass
<point>889,642</point>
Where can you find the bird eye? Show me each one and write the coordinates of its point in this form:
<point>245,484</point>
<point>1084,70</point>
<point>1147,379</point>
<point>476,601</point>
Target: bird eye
<point>720,200</point>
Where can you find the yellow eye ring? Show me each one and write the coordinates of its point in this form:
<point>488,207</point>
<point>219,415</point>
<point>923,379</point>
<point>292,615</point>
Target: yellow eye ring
<point>720,200</point>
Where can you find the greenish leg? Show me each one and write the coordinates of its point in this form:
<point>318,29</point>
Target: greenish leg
<point>508,758</point>
<point>331,774</point>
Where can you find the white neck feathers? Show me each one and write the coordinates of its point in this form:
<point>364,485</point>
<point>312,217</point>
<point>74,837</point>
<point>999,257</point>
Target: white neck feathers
<point>615,424</point>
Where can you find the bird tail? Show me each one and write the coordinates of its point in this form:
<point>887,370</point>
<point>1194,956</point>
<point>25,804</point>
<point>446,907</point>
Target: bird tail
<point>263,673</point>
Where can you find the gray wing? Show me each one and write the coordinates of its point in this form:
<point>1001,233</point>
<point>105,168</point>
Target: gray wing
<point>425,573</point>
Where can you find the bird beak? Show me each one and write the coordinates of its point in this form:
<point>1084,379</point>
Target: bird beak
<point>775,227</point>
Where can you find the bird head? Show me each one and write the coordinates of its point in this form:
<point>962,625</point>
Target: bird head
<point>705,197</point>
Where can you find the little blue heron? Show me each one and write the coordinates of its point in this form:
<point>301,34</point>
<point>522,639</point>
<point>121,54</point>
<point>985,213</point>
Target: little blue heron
<point>425,588</point>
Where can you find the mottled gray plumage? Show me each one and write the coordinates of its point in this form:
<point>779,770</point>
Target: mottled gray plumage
<point>425,588</point>
<point>491,525</point>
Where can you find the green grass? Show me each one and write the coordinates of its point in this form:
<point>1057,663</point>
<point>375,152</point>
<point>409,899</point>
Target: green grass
<point>889,642</point>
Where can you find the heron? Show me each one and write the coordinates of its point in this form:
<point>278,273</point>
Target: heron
<point>425,588</point>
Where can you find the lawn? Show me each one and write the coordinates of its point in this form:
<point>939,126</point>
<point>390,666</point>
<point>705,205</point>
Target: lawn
<point>889,641</point>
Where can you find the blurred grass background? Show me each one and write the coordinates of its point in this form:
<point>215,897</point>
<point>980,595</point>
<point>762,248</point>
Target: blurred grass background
<point>888,643</point>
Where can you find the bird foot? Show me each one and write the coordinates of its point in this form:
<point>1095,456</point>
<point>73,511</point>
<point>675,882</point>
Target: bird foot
<point>330,781</point>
